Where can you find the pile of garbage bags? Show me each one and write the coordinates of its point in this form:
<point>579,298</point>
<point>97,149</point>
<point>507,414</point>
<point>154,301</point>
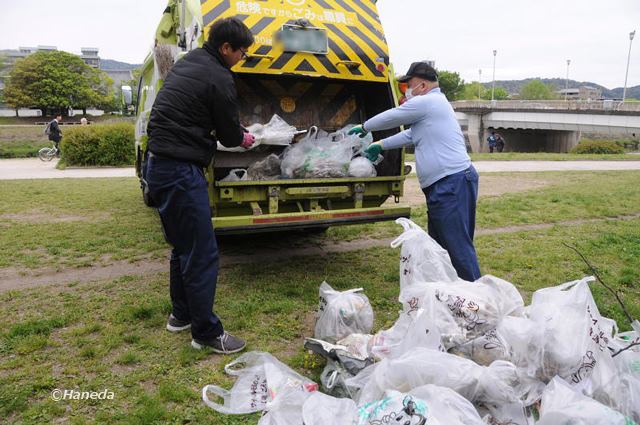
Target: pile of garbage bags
<point>318,155</point>
<point>459,353</point>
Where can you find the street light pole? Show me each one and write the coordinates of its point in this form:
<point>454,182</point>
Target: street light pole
<point>566,82</point>
<point>479,83</point>
<point>493,84</point>
<point>624,91</point>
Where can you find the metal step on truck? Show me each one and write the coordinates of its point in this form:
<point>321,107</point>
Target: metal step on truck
<point>321,63</point>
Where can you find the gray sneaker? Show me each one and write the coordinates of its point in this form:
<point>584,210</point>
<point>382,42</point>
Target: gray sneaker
<point>175,325</point>
<point>223,344</point>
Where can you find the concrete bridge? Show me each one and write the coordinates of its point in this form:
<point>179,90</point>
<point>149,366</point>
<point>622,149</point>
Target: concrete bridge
<point>549,126</point>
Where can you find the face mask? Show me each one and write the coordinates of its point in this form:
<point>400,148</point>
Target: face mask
<point>408,93</point>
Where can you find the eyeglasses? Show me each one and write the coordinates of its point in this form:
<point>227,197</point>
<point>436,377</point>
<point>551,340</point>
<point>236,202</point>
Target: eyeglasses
<point>245,56</point>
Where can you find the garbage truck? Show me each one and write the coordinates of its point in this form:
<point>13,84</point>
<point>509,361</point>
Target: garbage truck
<point>320,64</point>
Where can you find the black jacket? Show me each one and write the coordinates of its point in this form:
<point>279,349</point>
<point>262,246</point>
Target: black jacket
<point>198,97</point>
<point>55,134</point>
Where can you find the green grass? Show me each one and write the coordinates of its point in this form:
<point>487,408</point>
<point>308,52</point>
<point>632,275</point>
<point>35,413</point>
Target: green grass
<point>22,142</point>
<point>111,334</point>
<point>542,156</point>
<point>570,196</point>
<point>547,156</point>
<point>84,222</point>
<point>75,222</point>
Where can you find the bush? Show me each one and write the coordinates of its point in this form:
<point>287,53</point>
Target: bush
<point>597,147</point>
<point>111,144</point>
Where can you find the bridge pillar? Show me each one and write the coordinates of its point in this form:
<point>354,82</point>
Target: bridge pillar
<point>475,132</point>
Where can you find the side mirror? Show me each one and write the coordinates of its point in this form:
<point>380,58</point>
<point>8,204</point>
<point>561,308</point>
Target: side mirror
<point>127,96</point>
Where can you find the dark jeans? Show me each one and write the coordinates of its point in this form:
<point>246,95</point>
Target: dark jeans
<point>451,205</point>
<point>179,189</point>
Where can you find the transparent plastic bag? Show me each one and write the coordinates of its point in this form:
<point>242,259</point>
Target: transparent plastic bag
<point>575,334</point>
<point>276,132</point>
<point>236,175</point>
<point>415,330</point>
<point>479,384</point>
<point>428,404</point>
<point>342,313</point>
<point>322,156</point>
<point>266,169</point>
<point>464,310</point>
<point>562,404</point>
<point>321,409</point>
<point>286,409</point>
<point>261,377</point>
<point>362,167</point>
<point>421,258</point>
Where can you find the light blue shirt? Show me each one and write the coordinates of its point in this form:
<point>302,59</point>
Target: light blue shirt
<point>435,132</point>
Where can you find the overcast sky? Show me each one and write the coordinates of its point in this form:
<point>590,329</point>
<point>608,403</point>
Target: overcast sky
<point>533,38</point>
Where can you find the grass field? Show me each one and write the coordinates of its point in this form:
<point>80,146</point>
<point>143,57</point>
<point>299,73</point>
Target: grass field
<point>544,156</point>
<point>22,142</point>
<point>110,334</point>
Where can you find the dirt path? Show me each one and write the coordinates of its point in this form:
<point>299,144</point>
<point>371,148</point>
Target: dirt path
<point>268,249</point>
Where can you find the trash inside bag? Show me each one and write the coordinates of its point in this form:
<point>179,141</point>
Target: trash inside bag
<point>352,352</point>
<point>261,377</point>
<point>494,384</point>
<point>267,169</point>
<point>562,404</point>
<point>236,175</point>
<point>421,258</point>
<point>428,404</point>
<point>576,336</point>
<point>276,132</point>
<point>342,313</point>
<point>333,380</point>
<point>318,156</point>
<point>362,167</point>
<point>286,408</point>
<point>465,310</point>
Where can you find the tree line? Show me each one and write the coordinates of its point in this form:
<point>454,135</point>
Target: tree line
<point>455,88</point>
<point>57,81</point>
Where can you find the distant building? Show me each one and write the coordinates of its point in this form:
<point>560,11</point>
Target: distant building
<point>581,93</point>
<point>90,56</point>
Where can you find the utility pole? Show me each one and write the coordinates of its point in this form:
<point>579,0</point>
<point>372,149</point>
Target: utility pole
<point>493,84</point>
<point>624,91</point>
<point>566,82</point>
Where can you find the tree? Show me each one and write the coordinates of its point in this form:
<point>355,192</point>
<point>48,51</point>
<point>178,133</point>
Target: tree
<point>500,93</point>
<point>56,80</point>
<point>537,90</point>
<point>470,91</point>
<point>451,84</point>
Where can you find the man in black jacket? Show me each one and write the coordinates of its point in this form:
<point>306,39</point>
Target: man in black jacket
<point>55,134</point>
<point>196,106</point>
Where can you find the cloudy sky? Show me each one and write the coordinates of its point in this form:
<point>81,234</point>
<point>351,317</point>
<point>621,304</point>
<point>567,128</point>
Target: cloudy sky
<point>533,38</point>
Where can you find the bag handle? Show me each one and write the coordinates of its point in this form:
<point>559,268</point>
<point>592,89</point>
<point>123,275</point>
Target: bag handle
<point>408,226</point>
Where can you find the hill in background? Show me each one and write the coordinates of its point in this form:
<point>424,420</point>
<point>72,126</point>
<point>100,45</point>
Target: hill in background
<point>514,86</point>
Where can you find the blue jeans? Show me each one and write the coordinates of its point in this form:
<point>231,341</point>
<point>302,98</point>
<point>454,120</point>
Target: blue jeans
<point>179,189</point>
<point>451,205</point>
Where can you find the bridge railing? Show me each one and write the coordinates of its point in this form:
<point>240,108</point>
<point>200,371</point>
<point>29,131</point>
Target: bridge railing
<point>570,105</point>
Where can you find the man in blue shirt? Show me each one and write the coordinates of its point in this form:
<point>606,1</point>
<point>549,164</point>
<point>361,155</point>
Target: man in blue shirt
<point>447,178</point>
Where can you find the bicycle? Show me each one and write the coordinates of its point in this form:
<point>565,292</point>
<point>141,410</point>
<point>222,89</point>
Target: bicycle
<point>47,154</point>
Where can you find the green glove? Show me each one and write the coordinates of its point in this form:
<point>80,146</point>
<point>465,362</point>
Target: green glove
<point>373,151</point>
<point>358,129</point>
